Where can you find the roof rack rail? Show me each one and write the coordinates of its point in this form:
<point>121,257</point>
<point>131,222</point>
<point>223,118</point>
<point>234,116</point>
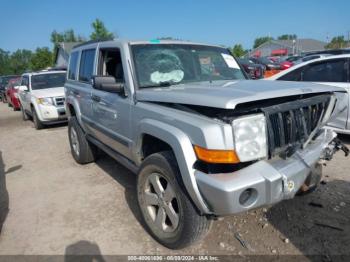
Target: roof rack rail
<point>92,42</point>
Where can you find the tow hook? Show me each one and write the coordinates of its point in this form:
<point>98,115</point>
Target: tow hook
<point>333,147</point>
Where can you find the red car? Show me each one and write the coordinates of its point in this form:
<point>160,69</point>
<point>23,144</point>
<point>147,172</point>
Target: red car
<point>286,64</point>
<point>12,93</point>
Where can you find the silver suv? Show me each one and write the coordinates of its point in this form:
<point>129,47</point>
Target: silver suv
<point>204,141</point>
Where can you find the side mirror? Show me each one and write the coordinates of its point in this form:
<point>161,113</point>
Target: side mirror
<point>23,88</point>
<point>108,84</point>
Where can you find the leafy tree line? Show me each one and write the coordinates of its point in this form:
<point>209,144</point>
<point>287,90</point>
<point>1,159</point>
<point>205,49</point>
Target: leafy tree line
<point>23,60</point>
<point>338,42</point>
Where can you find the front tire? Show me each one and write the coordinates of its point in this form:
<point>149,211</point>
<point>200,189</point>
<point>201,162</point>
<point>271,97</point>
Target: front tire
<point>83,152</point>
<point>37,123</point>
<point>167,210</point>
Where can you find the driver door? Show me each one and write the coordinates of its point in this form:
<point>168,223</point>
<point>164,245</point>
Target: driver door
<point>111,111</point>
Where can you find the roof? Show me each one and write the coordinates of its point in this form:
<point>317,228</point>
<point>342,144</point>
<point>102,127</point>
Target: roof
<point>66,46</point>
<point>134,42</point>
<point>304,45</point>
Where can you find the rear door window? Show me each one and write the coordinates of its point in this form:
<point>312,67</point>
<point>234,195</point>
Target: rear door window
<point>73,65</point>
<point>86,65</point>
<point>326,71</point>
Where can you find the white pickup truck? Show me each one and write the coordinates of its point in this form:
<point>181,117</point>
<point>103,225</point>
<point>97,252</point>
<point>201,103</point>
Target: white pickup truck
<point>42,97</point>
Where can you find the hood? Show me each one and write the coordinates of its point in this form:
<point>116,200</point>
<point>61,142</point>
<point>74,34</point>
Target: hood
<point>49,92</point>
<point>228,94</point>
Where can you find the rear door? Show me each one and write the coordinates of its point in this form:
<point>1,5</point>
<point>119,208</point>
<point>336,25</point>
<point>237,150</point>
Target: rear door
<point>334,72</point>
<point>81,70</point>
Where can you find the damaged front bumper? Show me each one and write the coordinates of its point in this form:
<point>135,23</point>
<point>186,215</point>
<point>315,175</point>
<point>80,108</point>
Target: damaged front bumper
<point>264,182</point>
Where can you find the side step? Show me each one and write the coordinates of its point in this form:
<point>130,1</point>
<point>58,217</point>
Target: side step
<point>121,159</point>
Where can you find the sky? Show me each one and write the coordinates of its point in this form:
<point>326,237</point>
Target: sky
<point>27,24</point>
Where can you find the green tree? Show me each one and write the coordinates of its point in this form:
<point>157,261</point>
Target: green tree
<point>4,62</point>
<point>20,61</point>
<point>261,40</point>
<point>238,50</point>
<point>66,36</point>
<point>287,37</point>
<point>41,59</point>
<point>337,42</point>
<point>100,31</point>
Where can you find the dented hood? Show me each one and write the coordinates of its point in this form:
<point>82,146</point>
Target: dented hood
<point>228,94</point>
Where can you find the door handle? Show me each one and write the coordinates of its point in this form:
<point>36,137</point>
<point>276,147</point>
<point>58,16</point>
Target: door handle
<point>96,98</point>
<point>76,92</point>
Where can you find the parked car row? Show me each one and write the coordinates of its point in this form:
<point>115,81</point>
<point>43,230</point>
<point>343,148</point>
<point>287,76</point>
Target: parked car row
<point>274,64</point>
<point>39,95</point>
<point>205,141</point>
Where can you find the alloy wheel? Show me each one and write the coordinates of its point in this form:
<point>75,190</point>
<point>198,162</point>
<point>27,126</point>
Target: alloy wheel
<point>161,202</point>
<point>74,141</point>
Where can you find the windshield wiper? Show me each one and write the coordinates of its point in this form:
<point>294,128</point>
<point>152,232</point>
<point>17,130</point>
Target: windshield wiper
<point>161,84</point>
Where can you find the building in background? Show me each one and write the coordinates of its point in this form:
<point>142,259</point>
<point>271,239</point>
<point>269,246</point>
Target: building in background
<point>288,47</point>
<point>62,53</point>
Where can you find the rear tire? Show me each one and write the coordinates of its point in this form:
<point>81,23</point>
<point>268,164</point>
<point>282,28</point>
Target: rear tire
<point>37,123</point>
<point>167,210</point>
<point>82,150</point>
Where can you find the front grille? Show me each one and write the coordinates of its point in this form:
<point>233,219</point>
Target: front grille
<point>290,124</point>
<point>59,101</point>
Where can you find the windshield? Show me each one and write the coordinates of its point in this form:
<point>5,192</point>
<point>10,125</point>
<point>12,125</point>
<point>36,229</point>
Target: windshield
<point>48,81</point>
<point>167,64</point>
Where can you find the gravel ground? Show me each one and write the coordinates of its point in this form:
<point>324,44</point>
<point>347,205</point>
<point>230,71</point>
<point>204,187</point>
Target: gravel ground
<point>58,207</point>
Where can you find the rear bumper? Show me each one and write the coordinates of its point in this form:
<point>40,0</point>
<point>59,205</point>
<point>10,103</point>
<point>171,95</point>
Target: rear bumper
<point>262,183</point>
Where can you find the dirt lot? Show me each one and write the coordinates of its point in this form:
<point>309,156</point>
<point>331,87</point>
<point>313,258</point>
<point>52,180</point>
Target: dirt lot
<point>59,207</point>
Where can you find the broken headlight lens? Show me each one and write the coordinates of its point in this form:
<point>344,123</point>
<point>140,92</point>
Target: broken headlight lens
<point>250,137</point>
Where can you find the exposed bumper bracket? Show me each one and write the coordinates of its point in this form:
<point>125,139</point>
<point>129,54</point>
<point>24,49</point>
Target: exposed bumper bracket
<point>333,147</point>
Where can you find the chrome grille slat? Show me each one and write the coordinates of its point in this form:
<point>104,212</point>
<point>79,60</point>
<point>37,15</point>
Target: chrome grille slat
<point>290,124</point>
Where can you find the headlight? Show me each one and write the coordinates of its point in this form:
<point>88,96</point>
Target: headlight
<point>250,137</point>
<point>45,101</point>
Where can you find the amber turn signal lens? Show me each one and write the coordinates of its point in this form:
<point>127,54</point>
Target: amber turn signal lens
<point>216,156</point>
